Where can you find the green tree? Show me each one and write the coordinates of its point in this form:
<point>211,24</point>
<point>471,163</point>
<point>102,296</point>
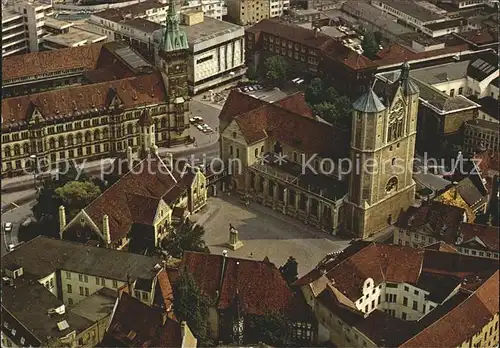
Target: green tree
<point>252,73</point>
<point>185,237</point>
<point>326,111</point>
<point>314,92</point>
<point>271,328</point>
<point>276,70</point>
<point>192,306</point>
<point>76,195</point>
<point>290,270</point>
<point>330,95</point>
<point>369,45</point>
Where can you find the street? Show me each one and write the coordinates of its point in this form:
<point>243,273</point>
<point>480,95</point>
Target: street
<point>17,216</point>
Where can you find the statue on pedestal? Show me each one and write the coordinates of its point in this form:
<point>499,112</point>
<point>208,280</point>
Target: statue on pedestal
<point>234,240</point>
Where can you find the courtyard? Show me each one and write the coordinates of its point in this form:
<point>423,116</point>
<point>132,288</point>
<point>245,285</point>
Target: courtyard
<point>264,232</point>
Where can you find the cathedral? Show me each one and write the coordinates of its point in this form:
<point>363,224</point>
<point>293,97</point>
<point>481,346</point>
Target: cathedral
<point>356,183</point>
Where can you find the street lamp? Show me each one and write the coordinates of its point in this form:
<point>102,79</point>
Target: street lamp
<point>33,159</point>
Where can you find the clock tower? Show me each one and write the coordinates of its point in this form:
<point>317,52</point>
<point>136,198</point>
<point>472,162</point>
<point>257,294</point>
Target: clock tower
<point>382,152</point>
<point>171,58</point>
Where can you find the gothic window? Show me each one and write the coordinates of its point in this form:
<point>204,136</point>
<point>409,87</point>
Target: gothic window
<point>61,141</point>
<point>52,143</point>
<point>396,122</point>
<point>17,150</point>
<point>97,134</point>
<point>70,139</point>
<point>392,185</point>
<point>79,138</point>
<point>7,151</point>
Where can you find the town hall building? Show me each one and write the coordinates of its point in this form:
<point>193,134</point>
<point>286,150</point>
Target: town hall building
<point>285,158</point>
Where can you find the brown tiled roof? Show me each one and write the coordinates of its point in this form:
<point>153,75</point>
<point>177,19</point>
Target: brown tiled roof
<point>135,324</point>
<point>44,62</point>
<point>269,120</point>
<point>377,261</point>
<point>74,102</point>
<point>479,37</point>
<point>488,161</point>
<point>296,103</point>
<point>164,296</point>
<point>290,31</point>
<point>396,53</point>
<point>149,181</point>
<point>489,235</point>
<point>442,246</point>
<point>438,216</point>
<point>260,285</point>
<point>470,316</point>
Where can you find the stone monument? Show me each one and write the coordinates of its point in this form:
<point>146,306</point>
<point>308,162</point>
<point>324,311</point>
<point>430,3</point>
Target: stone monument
<point>234,241</point>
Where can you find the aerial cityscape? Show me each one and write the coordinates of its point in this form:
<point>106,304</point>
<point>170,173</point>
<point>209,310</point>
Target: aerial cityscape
<point>250,173</point>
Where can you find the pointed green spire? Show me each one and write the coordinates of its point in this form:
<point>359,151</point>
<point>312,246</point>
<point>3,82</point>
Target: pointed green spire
<point>174,38</point>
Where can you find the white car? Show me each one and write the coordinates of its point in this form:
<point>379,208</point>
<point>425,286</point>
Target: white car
<point>200,127</point>
<point>192,120</point>
<point>7,227</point>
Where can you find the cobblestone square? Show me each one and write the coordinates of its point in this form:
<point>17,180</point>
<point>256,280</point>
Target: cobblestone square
<point>264,232</point>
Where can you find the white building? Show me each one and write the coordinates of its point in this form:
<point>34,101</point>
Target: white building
<point>276,7</point>
<point>23,26</point>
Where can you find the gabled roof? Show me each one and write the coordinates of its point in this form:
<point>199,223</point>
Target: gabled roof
<point>135,324</point>
<point>135,196</point>
<point>259,284</point>
<point>164,296</point>
<point>442,246</point>
<point>296,103</point>
<point>489,235</point>
<point>84,100</point>
<point>261,120</point>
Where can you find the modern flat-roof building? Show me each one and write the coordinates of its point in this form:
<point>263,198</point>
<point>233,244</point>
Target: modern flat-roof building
<point>63,34</point>
<point>23,26</point>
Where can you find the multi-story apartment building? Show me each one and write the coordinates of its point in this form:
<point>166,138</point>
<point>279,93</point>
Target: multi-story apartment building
<point>436,222</point>
<point>45,277</point>
<point>23,26</point>
<point>480,135</point>
<point>249,12</point>
<point>377,295</point>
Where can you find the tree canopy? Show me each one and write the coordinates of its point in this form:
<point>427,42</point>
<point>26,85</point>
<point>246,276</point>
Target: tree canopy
<point>187,236</point>
<point>290,270</point>
<point>271,328</point>
<point>369,45</point>
<point>76,195</point>
<point>276,70</point>
<point>192,306</point>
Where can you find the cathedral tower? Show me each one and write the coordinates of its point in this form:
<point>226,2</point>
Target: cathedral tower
<point>382,152</point>
<point>171,58</point>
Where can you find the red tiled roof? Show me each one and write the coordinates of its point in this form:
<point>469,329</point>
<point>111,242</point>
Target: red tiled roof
<point>381,263</point>
<point>479,37</point>
<point>470,316</point>
<point>260,285</point>
<point>296,103</point>
<point>135,324</point>
<point>164,296</point>
<point>442,246</point>
<point>148,182</point>
<point>74,102</point>
<point>37,63</point>
<point>397,53</point>
<point>489,235</point>
<point>269,120</point>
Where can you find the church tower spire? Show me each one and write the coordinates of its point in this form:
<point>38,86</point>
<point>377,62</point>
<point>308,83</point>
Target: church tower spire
<point>174,38</point>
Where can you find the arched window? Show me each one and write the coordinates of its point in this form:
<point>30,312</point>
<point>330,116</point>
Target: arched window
<point>17,150</point>
<point>88,137</point>
<point>130,129</point>
<point>97,134</point>
<point>52,143</point>
<point>262,149</point>
<point>393,161</point>
<point>256,152</point>
<point>105,133</point>
<point>79,138</point>
<point>26,148</point>
<point>164,122</point>
<point>230,150</point>
<point>7,151</point>
<point>70,139</point>
<point>392,185</point>
<point>61,141</point>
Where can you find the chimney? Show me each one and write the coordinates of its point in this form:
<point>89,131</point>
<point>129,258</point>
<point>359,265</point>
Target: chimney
<point>62,218</point>
<point>164,265</point>
<point>105,229</point>
<point>129,158</point>
<point>129,285</point>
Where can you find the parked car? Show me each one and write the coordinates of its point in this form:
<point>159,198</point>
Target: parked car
<point>192,120</point>
<point>200,127</point>
<point>11,247</point>
<point>7,227</point>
